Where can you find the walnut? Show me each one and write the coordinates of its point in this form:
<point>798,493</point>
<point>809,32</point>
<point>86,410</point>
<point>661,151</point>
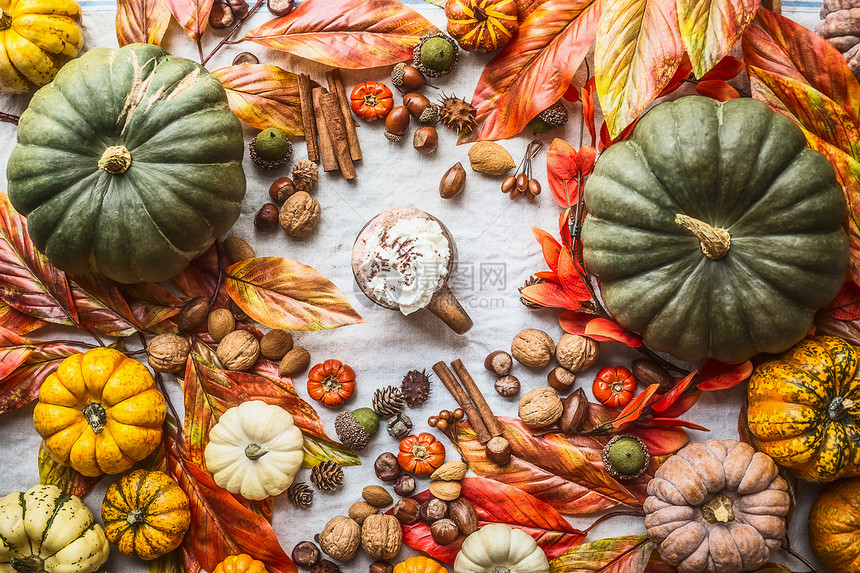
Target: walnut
<point>238,350</point>
<point>381,536</point>
<point>576,353</point>
<point>340,537</point>
<point>540,407</point>
<point>220,323</point>
<point>533,348</point>
<point>300,215</point>
<point>168,353</point>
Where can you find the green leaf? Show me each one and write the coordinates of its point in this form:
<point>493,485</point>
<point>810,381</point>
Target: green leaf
<point>628,554</point>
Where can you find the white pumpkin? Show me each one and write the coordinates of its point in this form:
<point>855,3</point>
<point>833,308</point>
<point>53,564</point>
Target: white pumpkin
<point>45,530</point>
<point>254,450</point>
<point>497,548</point>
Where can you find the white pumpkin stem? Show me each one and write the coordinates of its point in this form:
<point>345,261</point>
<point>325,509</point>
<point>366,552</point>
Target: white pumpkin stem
<point>29,564</point>
<point>255,451</point>
<point>135,517</point>
<point>715,242</point>
<point>5,20</point>
<point>838,406</point>
<point>115,160</point>
<point>96,416</point>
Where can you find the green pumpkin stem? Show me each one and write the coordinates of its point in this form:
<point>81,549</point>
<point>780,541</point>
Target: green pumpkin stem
<point>715,242</point>
<point>5,20</point>
<point>29,564</point>
<point>96,416</point>
<point>115,160</point>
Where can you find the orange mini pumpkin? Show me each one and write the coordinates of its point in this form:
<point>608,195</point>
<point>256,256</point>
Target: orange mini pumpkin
<point>420,564</point>
<point>482,25</point>
<point>331,382</point>
<point>371,101</point>
<point>834,526</point>
<point>614,386</point>
<point>421,454</point>
<point>242,563</point>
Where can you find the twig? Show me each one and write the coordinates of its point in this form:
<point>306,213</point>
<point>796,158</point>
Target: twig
<point>226,39</point>
<point>96,336</point>
<point>220,278</point>
<point>200,50</point>
<point>9,118</point>
<point>603,518</point>
<point>786,546</point>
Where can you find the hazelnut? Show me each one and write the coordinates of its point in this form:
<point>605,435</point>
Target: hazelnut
<point>561,379</point>
<point>445,490</point>
<point>306,554</point>
<point>540,407</point>
<point>425,139</point>
<point>498,451</point>
<point>463,513</point>
<point>433,509</point>
<point>221,15</point>
<point>360,510</point>
<point>405,485</point>
<point>416,104</point>
<point>244,58</point>
<point>386,467</point>
<point>407,510</point>
<point>381,536</point>
<point>381,567</point>
<point>276,343</point>
<point>168,353</point>
<point>444,531</point>
<point>193,312</point>
<point>294,362</point>
<point>220,323</point>
<point>236,249</point>
<point>238,350</point>
<point>340,538</point>
<point>453,181</point>
<point>282,189</point>
<point>376,496</point>
<point>300,214</point>
<point>576,353</point>
<point>397,121</point>
<point>279,7</point>
<point>649,372</point>
<point>533,348</point>
<point>574,410</point>
<point>266,220</point>
<point>507,386</point>
<point>498,362</point>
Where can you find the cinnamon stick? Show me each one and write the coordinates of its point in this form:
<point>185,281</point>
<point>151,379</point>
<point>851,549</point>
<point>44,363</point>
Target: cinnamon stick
<point>306,99</point>
<point>447,378</point>
<point>484,410</point>
<point>337,134</point>
<point>326,150</point>
<point>335,85</point>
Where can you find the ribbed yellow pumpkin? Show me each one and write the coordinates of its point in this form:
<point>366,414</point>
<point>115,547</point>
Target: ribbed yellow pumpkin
<point>36,38</point>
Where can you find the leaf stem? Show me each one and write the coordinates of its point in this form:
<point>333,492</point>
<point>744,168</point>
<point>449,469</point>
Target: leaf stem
<point>80,343</point>
<point>200,50</point>
<point>786,546</point>
<point>220,278</point>
<point>226,39</point>
<point>9,118</point>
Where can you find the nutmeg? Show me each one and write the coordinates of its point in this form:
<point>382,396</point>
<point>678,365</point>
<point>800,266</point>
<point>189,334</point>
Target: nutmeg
<point>300,215</point>
<point>444,531</point>
<point>540,407</point>
<point>425,140</point>
<point>463,513</point>
<point>453,181</point>
<point>294,362</point>
<point>238,350</point>
<point>561,379</point>
<point>220,323</point>
<point>498,451</point>
<point>498,362</point>
<point>168,353</point>
<point>236,249</point>
<point>193,312</point>
<point>576,353</point>
<point>533,348</point>
<point>276,343</point>
<point>407,510</point>
<point>433,509</point>
<point>507,386</point>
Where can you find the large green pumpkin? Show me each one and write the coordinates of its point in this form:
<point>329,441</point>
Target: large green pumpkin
<point>129,164</point>
<point>714,230</point>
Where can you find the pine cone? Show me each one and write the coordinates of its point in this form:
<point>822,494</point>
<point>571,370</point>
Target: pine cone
<point>388,401</point>
<point>532,280</point>
<point>300,495</point>
<point>457,115</point>
<point>415,388</point>
<point>305,175</point>
<point>326,566</point>
<point>327,476</point>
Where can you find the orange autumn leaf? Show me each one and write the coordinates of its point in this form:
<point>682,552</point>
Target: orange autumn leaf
<point>141,21</point>
<point>192,15</point>
<point>282,293</point>
<point>716,375</point>
<point>263,96</point>
<point>599,329</point>
<point>570,278</point>
<point>551,295</point>
<point>550,247</point>
<point>17,321</point>
<point>634,409</point>
<point>719,90</point>
<point>726,69</point>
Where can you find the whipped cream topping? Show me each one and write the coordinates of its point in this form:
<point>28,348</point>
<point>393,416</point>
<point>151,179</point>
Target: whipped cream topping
<point>407,263</point>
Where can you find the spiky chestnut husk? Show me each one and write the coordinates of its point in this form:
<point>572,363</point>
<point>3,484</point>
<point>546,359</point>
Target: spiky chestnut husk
<point>269,164</point>
<point>550,118</point>
<point>305,175</point>
<point>625,457</point>
<point>415,388</point>
<point>457,115</point>
<point>429,72</point>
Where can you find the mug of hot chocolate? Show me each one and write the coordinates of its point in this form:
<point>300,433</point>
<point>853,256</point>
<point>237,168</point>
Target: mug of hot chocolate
<point>402,260</point>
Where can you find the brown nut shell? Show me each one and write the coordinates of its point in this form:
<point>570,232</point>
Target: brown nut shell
<point>381,536</point>
<point>540,407</point>
<point>276,343</point>
<point>360,510</point>
<point>561,379</point>
<point>462,512</point>
<point>649,372</point>
<point>236,250</point>
<point>498,362</point>
<point>340,538</point>
<point>377,496</point>
<point>193,312</point>
<point>433,509</point>
<point>450,471</point>
<point>574,410</point>
<point>453,181</point>
<point>220,323</point>
<point>576,353</point>
<point>507,386</point>
<point>294,362</point>
<point>407,510</point>
<point>168,353</point>
<point>300,215</point>
<point>445,490</point>
<point>425,139</point>
<point>498,451</point>
<point>238,351</point>
<point>444,531</point>
<point>533,348</point>
<point>397,121</point>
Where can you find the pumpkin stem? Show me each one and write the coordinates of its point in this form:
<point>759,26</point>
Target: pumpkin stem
<point>480,14</point>
<point>5,20</point>
<point>115,160</point>
<point>715,242</point>
<point>718,509</point>
<point>370,100</point>
<point>501,569</point>
<point>331,384</point>
<point>838,406</point>
<point>136,517</point>
<point>419,452</point>
<point>255,451</point>
<point>29,564</point>
<point>96,416</point>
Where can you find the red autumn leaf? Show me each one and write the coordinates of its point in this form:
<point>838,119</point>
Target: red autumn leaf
<point>101,306</point>
<point>682,405</point>
<point>550,295</point>
<point>192,15</point>
<point>67,479</point>
<point>674,422</point>
<point>719,90</point>
<point>571,94</point>
<point>570,278</point>
<point>20,386</point>
<point>628,554</point>
<point>201,276</point>
<point>634,409</point>
<point>533,71</point>
<point>547,275</point>
<point>496,502</point>
<point>846,305</point>
<point>141,21</point>
<point>599,329</point>
<point>550,247</point>
<point>726,69</point>
<point>587,95</point>
<point>17,321</point>
<point>263,96</point>
<point>672,395</point>
<point>152,306</point>
<point>561,172</point>
<point>352,34</point>
<point>564,471</point>
<point>716,375</point>
<point>661,440</point>
<point>681,74</point>
<point>220,525</point>
<point>606,141</point>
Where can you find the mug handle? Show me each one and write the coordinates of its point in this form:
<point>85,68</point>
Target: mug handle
<point>448,308</point>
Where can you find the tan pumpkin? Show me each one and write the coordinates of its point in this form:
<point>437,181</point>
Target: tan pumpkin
<point>717,507</point>
<point>840,26</point>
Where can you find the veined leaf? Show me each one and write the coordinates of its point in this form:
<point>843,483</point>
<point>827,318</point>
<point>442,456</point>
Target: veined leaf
<point>352,34</point>
<point>597,328</point>
<point>200,277</point>
<point>263,96</point>
<point>638,50</point>
<point>846,305</point>
<point>533,71</point>
<point>101,307</point>
<point>141,21</point>
<point>709,28</point>
<point>719,90</point>
<point>20,386</point>
<point>716,375</point>
<point>628,554</point>
<point>550,295</point>
<point>192,15</point>
<point>282,293</point>
<point>67,479</point>
<point>550,247</point>
<point>152,306</point>
<point>17,321</point>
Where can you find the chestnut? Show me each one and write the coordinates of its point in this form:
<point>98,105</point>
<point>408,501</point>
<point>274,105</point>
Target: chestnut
<point>245,58</point>
<point>416,103</point>
<point>266,220</point>
<point>425,139</point>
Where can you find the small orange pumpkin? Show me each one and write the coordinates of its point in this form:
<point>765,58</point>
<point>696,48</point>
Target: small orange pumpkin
<point>614,386</point>
<point>331,382</point>
<point>242,563</point>
<point>834,526</point>
<point>420,564</point>
<point>421,454</point>
<point>482,25</point>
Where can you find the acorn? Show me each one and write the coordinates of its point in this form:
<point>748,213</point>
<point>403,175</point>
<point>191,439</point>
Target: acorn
<point>550,118</point>
<point>435,55</point>
<point>271,148</point>
<point>407,77</point>
<point>354,429</point>
<point>396,124</point>
<point>625,457</point>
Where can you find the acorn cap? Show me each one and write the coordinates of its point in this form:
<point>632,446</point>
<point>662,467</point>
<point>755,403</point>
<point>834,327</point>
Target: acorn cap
<point>355,428</point>
<point>435,55</point>
<point>266,163</point>
<point>625,457</point>
<point>397,74</point>
<point>550,118</point>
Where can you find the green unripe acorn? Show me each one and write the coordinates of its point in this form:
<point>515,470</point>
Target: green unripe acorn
<point>435,55</point>
<point>368,420</point>
<point>355,428</point>
<point>625,457</point>
<point>272,144</point>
